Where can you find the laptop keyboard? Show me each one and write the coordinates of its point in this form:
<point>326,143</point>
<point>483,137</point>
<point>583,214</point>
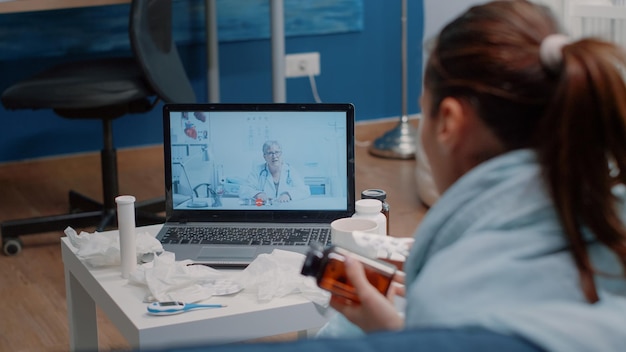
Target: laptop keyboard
<point>247,236</point>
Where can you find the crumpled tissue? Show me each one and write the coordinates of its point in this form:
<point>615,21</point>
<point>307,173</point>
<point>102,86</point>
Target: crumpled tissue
<point>269,276</point>
<point>277,274</point>
<point>171,280</point>
<point>103,248</point>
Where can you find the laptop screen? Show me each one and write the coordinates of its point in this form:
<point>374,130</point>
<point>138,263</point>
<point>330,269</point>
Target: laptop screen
<point>261,162</point>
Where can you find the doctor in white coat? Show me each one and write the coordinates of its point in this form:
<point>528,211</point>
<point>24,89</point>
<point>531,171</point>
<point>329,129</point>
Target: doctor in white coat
<point>274,180</point>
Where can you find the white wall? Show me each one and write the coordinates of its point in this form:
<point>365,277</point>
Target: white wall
<point>438,13</point>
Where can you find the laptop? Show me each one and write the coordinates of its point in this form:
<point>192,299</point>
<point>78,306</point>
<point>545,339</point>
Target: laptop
<point>245,179</point>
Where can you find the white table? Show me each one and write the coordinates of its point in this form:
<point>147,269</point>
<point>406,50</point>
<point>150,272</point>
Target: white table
<point>244,318</point>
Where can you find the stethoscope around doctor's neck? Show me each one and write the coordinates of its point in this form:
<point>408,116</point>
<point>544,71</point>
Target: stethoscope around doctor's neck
<point>265,172</point>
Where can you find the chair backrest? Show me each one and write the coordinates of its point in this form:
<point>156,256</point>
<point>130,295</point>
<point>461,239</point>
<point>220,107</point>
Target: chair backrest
<point>153,45</point>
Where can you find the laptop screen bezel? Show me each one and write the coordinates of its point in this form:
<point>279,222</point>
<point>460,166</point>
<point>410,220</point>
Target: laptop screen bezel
<point>283,216</point>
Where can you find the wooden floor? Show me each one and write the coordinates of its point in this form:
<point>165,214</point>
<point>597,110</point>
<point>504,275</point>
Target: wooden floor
<point>33,315</point>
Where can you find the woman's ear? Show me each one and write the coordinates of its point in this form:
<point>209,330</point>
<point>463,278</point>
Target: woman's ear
<point>451,122</point>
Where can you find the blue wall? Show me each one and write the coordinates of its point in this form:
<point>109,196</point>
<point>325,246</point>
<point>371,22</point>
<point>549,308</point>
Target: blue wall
<point>362,67</point>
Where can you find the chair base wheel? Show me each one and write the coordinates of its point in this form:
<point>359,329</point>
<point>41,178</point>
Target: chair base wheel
<point>84,212</point>
<point>11,246</point>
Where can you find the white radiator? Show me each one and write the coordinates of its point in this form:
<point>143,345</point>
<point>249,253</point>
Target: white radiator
<point>597,18</point>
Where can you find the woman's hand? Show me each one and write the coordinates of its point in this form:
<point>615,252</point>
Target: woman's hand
<point>375,311</point>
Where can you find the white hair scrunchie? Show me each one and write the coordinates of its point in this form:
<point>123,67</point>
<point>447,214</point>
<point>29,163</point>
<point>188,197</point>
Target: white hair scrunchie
<point>551,50</point>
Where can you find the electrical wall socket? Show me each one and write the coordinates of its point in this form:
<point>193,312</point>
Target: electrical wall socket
<point>302,65</point>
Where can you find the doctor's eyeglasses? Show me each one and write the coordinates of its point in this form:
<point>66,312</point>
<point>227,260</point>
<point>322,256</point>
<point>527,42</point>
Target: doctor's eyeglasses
<point>276,153</point>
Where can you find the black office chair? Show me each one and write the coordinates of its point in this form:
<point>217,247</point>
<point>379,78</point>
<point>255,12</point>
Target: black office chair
<point>105,89</point>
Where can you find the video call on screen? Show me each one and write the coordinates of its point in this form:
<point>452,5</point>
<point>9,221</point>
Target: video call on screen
<point>216,156</point>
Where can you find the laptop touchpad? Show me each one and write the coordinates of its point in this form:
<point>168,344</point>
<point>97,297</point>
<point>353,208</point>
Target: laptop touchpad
<point>227,252</point>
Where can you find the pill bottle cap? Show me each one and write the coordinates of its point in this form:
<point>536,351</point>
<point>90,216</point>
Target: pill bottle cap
<point>374,194</point>
<point>368,206</point>
<point>313,261</point>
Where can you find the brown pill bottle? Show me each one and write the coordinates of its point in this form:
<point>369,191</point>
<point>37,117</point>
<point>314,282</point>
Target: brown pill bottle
<point>328,268</point>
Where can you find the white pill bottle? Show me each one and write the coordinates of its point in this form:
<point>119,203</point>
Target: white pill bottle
<point>371,209</point>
